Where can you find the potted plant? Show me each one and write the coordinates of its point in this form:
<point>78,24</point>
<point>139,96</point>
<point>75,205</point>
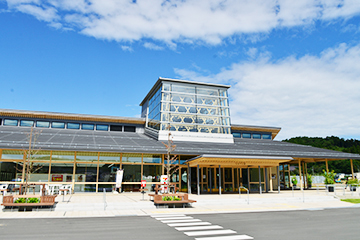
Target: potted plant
<point>309,180</point>
<point>353,183</point>
<point>294,181</point>
<point>329,179</point>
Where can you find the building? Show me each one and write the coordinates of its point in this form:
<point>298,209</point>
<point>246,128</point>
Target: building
<point>214,155</point>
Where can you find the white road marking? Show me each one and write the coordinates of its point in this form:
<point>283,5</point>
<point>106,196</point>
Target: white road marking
<point>234,237</point>
<point>198,228</point>
<point>174,218</point>
<point>168,215</point>
<point>181,221</point>
<point>214,232</point>
<point>188,224</point>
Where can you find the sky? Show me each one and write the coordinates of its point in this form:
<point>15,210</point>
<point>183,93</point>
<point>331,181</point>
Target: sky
<point>290,64</point>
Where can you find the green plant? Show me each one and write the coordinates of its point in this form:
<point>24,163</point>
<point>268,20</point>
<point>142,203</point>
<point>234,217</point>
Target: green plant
<point>171,198</point>
<point>33,200</point>
<point>329,177</point>
<point>309,179</point>
<point>166,198</point>
<point>353,182</point>
<point>20,200</point>
<point>294,180</point>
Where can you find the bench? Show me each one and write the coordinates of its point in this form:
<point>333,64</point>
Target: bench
<point>45,201</point>
<point>185,201</point>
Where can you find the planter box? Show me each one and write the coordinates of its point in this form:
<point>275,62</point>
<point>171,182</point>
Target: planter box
<point>352,188</point>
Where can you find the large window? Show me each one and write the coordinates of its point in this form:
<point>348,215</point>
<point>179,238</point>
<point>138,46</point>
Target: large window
<point>101,127</point>
<point>58,125</point>
<point>87,126</point>
<point>43,124</point>
<point>73,125</point>
<point>26,123</point>
<point>12,154</point>
<point>10,122</point>
<point>189,108</point>
<point>132,173</point>
<point>131,158</point>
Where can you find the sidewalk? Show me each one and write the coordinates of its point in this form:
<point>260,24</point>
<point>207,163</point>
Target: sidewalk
<point>131,204</point>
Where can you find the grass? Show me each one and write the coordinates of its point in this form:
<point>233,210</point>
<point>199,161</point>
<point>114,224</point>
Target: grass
<point>351,200</point>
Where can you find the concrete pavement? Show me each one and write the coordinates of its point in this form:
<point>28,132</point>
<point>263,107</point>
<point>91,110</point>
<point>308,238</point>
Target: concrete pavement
<point>131,204</point>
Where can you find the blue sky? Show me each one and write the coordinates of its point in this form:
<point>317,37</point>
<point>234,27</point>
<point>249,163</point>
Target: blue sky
<point>290,64</point>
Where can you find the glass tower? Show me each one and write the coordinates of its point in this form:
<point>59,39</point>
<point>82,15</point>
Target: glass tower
<point>188,109</point>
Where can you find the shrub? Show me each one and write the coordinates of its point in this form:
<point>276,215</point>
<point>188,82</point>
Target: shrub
<point>171,198</point>
<point>294,181</point>
<point>20,200</point>
<point>33,200</point>
<point>329,177</point>
<point>353,182</point>
<point>309,179</point>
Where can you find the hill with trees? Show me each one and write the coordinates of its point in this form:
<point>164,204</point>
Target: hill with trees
<point>332,143</point>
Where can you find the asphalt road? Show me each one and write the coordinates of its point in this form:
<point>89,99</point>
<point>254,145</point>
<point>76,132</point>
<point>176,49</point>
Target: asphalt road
<point>339,224</point>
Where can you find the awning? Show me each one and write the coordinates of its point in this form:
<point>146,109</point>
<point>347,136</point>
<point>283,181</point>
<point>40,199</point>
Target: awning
<point>237,161</point>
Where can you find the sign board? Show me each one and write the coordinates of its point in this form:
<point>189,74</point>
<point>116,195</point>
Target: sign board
<point>119,177</point>
<point>164,182</point>
<point>143,183</point>
<point>57,178</point>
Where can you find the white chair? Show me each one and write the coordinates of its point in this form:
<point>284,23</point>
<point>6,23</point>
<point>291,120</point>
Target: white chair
<point>4,189</point>
<point>65,189</point>
<point>47,189</point>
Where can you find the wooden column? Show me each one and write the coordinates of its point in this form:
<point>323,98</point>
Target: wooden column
<point>189,179</point>
<point>210,180</point>
<point>278,178</point>
<point>306,172</point>
<point>352,168</point>
<point>198,179</point>
<point>271,182</point>
<point>301,185</point>
<point>220,180</point>
<point>327,166</point>
<point>260,180</point>
<point>248,178</point>
<point>233,177</point>
<point>305,177</point>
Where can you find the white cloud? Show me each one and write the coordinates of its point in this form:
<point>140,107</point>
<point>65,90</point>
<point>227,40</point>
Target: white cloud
<point>152,46</point>
<point>188,21</point>
<point>46,14</point>
<point>306,96</point>
<point>127,48</point>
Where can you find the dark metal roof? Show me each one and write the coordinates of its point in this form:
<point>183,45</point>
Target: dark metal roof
<point>157,84</point>
<point>97,141</point>
<point>69,116</point>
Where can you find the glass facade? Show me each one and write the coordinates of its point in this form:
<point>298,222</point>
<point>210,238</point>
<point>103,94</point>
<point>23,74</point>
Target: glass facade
<point>189,108</point>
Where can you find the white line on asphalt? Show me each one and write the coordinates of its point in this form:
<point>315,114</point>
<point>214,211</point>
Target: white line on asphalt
<point>233,237</point>
<point>168,215</point>
<point>173,218</point>
<point>198,228</point>
<point>215,232</point>
<point>188,224</point>
<point>181,221</point>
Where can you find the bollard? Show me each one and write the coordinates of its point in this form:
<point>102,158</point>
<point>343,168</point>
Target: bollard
<point>104,196</point>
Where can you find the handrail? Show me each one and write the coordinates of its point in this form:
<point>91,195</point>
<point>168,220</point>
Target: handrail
<point>247,193</point>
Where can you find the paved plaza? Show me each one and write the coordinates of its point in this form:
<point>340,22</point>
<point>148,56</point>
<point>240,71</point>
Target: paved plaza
<point>132,204</point>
